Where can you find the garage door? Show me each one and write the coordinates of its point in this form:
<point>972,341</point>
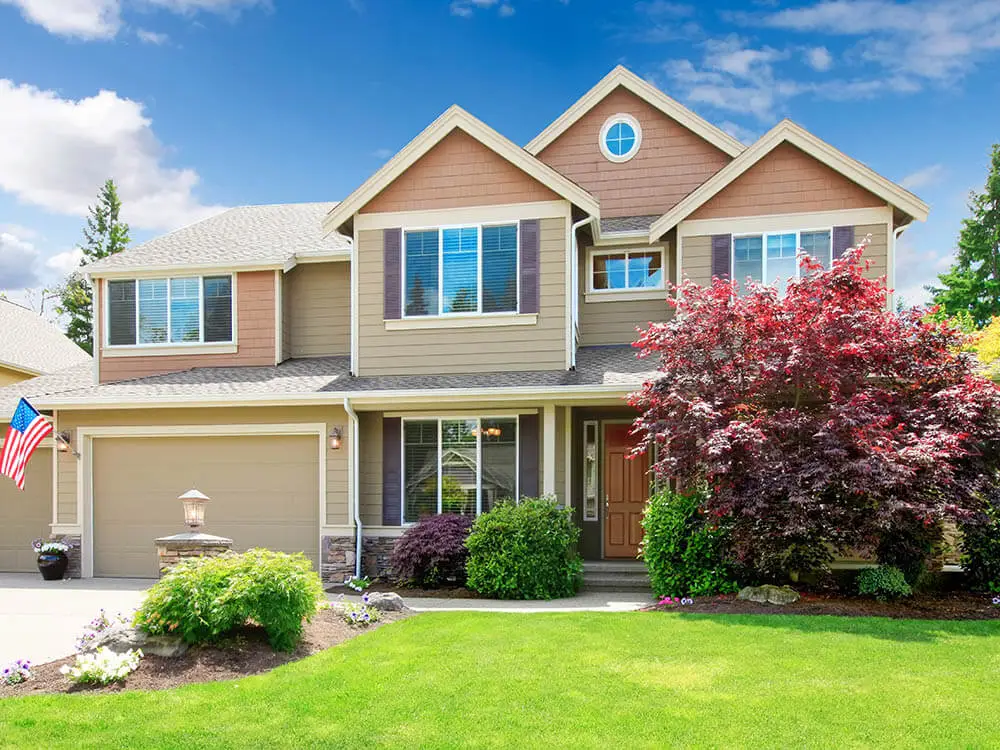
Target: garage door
<point>264,491</point>
<point>25,516</point>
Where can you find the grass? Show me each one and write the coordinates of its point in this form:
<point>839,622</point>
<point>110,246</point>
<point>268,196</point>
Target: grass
<point>573,680</point>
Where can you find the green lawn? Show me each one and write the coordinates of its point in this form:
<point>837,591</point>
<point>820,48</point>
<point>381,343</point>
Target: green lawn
<point>574,680</point>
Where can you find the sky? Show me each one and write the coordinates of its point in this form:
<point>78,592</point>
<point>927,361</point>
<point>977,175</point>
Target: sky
<point>196,105</point>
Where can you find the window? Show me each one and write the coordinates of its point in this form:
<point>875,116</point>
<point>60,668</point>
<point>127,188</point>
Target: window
<point>772,258</point>
<point>183,310</point>
<point>621,270</point>
<point>590,468</point>
<point>458,270</point>
<point>620,138</point>
<point>462,466</point>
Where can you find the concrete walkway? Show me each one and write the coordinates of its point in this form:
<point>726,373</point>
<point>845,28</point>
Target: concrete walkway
<point>588,601</point>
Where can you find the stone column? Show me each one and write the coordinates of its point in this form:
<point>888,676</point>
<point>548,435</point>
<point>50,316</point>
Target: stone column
<point>171,550</point>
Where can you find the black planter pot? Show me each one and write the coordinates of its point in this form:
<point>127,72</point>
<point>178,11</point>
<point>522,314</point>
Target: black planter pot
<point>52,566</point>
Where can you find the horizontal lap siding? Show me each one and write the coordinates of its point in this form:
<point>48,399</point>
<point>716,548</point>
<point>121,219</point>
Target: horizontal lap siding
<point>877,250</point>
<point>256,337</point>
<point>463,350</point>
<point>319,308</point>
<point>671,162</point>
<point>371,468</point>
<point>286,319</point>
<point>696,259</point>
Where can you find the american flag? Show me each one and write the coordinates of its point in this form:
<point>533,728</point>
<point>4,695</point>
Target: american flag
<point>27,429</point>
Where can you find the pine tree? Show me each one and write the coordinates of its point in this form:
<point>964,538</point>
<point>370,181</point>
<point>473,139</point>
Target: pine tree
<point>105,234</point>
<point>972,284</point>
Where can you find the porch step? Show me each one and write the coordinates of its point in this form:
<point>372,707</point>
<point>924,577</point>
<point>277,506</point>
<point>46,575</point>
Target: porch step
<point>615,575</point>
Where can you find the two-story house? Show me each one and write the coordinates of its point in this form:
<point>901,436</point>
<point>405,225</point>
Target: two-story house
<point>455,331</point>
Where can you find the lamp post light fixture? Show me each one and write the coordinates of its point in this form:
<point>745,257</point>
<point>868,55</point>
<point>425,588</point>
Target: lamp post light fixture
<point>336,438</point>
<point>194,508</point>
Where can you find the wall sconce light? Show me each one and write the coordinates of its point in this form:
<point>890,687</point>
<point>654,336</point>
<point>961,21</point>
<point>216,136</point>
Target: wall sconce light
<point>64,443</point>
<point>194,508</point>
<point>336,438</point>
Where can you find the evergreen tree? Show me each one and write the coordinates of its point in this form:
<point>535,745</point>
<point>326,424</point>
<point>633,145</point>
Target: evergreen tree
<point>972,284</point>
<point>105,234</point>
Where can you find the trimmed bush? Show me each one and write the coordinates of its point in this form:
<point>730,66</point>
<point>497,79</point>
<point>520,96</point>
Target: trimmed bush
<point>524,550</point>
<point>683,555</point>
<point>432,552</point>
<point>981,552</point>
<point>203,599</point>
<point>885,583</point>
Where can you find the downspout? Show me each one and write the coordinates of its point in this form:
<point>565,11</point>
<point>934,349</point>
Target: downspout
<point>355,477</point>
<point>575,270</point>
<point>896,234</point>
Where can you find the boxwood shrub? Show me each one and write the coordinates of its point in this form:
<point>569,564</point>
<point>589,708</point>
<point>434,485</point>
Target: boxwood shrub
<point>432,552</point>
<point>203,599</point>
<point>885,583</point>
<point>524,550</point>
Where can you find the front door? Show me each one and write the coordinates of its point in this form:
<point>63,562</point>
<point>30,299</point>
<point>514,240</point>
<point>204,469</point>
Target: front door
<point>626,490</point>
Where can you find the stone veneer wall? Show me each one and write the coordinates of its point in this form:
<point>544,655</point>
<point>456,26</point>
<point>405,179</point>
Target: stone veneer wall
<point>375,553</point>
<point>73,570</point>
<point>339,559</point>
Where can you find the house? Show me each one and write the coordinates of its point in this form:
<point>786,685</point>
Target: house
<point>30,346</point>
<point>455,331</point>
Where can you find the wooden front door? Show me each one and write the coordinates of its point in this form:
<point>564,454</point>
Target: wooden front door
<point>626,490</point>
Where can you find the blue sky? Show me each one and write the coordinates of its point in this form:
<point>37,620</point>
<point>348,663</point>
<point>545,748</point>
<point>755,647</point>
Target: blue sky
<point>194,105</point>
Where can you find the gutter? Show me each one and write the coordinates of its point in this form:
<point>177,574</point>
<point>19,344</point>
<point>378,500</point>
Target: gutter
<point>575,284</point>
<point>355,488</point>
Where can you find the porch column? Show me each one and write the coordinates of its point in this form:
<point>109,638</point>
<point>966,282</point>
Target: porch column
<point>549,449</point>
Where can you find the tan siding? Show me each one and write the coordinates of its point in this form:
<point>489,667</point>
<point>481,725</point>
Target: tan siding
<point>255,292</point>
<point>561,422</point>
<point>371,468</point>
<point>286,320</point>
<point>25,515</point>
<point>671,162</point>
<point>458,350</point>
<point>696,259</point>
<point>338,507</point>
<point>9,377</point>
<point>458,172</point>
<point>878,250</point>
<point>787,180</point>
<point>319,309</point>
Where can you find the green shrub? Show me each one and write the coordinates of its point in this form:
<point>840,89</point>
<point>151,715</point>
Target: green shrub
<point>683,555</point>
<point>524,550</point>
<point>907,544</point>
<point>981,553</point>
<point>203,599</point>
<point>885,583</point>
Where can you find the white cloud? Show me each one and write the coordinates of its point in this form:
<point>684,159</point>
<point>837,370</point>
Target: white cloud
<point>382,153</point>
<point>151,37</point>
<point>56,152</point>
<point>23,232</point>
<point>466,8</point>
<point>918,268</point>
<point>65,263</point>
<point>819,59</point>
<point>923,177</point>
<point>18,263</point>
<point>740,133</point>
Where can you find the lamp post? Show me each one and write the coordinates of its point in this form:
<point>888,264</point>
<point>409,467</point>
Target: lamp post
<point>194,508</point>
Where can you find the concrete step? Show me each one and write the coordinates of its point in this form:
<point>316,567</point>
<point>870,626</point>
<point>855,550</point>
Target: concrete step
<point>615,575</point>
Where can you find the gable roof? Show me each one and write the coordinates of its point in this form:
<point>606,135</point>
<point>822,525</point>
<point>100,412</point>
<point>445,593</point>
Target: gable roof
<point>33,345</point>
<point>456,117</point>
<point>787,131</point>
<point>243,237</point>
<point>622,76</point>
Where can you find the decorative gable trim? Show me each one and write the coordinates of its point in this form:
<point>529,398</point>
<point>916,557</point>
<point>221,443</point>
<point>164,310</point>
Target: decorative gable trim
<point>456,117</point>
<point>787,131</point>
<point>622,76</point>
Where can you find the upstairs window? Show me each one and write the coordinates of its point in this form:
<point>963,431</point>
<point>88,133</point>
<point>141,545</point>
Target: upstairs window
<point>455,270</point>
<point>772,257</point>
<point>620,138</point>
<point>626,270</point>
<point>183,310</point>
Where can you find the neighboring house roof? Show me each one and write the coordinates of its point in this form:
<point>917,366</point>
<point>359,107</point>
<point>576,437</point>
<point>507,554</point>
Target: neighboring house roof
<point>244,237</point>
<point>627,225</point>
<point>33,345</point>
<point>456,117</point>
<point>622,76</point>
<point>70,379</point>
<point>787,131</point>
<point>611,369</point>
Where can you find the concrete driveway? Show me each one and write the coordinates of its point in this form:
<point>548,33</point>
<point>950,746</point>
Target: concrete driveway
<point>41,620</point>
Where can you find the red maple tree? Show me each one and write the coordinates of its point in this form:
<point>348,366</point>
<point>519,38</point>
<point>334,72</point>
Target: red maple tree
<point>820,420</point>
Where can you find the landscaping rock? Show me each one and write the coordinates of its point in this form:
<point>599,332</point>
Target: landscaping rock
<point>120,638</point>
<point>769,594</point>
<point>386,602</point>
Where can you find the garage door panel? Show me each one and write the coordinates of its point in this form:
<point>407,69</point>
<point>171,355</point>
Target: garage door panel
<point>25,516</point>
<point>264,490</point>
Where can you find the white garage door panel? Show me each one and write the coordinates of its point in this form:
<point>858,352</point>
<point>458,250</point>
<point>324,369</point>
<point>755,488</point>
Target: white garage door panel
<point>25,516</point>
<point>264,490</point>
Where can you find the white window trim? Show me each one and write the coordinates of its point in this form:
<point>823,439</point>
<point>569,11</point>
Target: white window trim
<point>608,124</point>
<point>628,293</point>
<point>596,516</point>
<point>174,347</point>
<point>763,238</point>
<point>479,457</point>
<point>478,313</point>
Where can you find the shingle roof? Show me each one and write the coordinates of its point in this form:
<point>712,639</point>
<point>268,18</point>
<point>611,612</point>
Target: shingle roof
<point>29,342</point>
<point>71,379</point>
<point>239,236</point>
<point>614,366</point>
<point>627,224</point>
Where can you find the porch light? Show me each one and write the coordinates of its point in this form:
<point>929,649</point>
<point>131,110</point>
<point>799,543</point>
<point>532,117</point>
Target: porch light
<point>194,508</point>
<point>63,444</point>
<point>336,438</point>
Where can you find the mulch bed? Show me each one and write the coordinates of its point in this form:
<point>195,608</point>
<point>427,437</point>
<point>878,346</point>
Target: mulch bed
<point>944,606</point>
<point>246,653</point>
<point>445,592</point>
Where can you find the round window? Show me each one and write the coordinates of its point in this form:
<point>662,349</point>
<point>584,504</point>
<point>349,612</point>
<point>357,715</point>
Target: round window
<point>620,137</point>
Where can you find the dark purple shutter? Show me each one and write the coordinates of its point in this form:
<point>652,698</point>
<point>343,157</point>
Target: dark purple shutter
<point>843,238</point>
<point>721,251</point>
<point>392,471</point>
<point>392,241</point>
<point>530,262</point>
<point>527,461</point>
